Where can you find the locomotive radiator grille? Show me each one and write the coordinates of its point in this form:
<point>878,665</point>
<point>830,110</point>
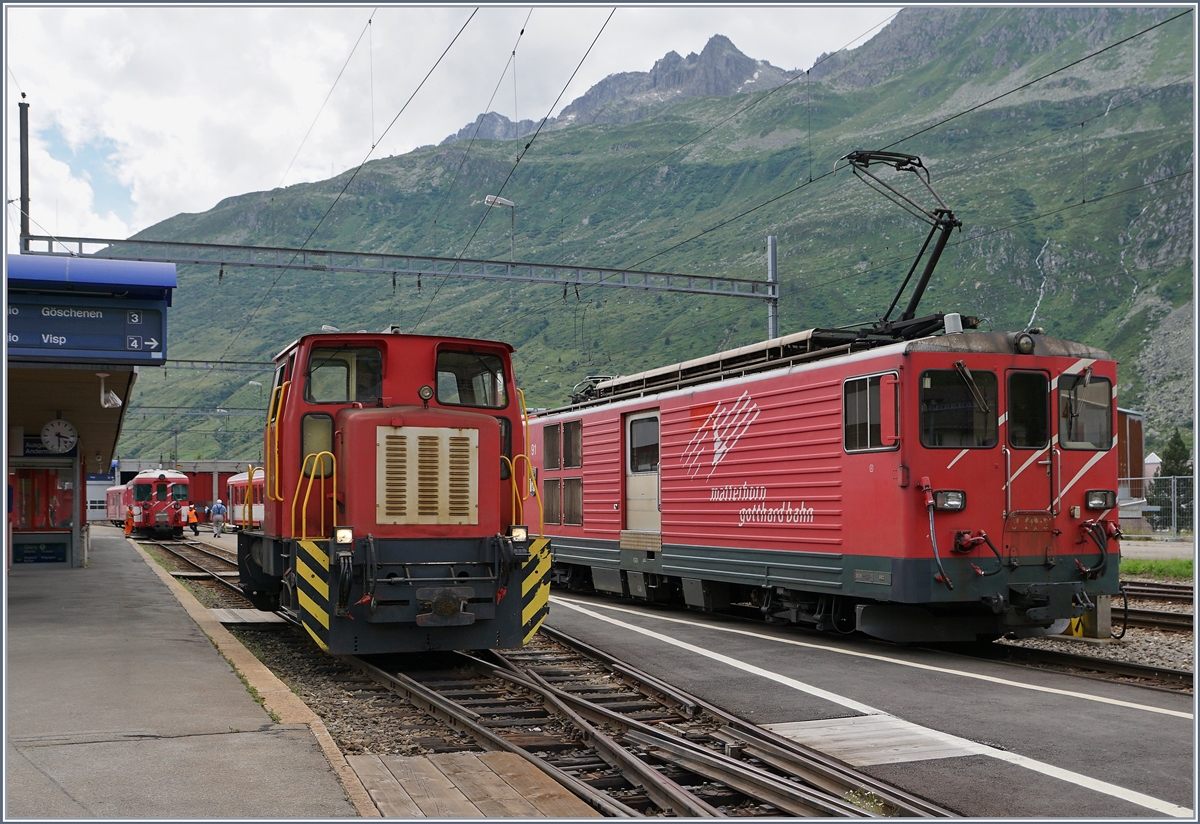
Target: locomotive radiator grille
<point>427,475</point>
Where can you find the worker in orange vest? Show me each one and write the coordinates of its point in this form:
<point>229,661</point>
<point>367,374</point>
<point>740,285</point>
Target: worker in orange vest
<point>193,521</point>
<point>129,520</point>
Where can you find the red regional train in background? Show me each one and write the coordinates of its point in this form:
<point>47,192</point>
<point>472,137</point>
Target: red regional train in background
<point>911,479</point>
<point>245,499</point>
<point>158,499</point>
<point>395,491</point>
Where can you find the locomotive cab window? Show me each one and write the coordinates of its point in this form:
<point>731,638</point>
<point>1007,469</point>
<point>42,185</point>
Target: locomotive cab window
<point>471,379</point>
<point>1028,410</point>
<point>865,427</point>
<point>958,408</point>
<point>344,375</point>
<point>1084,412</point>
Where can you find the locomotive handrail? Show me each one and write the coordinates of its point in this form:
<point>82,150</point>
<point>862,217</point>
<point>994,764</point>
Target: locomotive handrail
<point>248,502</point>
<point>271,482</point>
<point>317,458</point>
<point>518,500</point>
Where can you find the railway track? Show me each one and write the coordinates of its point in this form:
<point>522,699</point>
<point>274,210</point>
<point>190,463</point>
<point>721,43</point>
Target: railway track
<point>211,564</point>
<point>631,745</point>
<point>1157,591</point>
<point>1154,619</point>
<point>1164,677</point>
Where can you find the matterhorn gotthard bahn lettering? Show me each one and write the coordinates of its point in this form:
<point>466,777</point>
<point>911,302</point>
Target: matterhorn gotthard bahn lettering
<point>722,425</point>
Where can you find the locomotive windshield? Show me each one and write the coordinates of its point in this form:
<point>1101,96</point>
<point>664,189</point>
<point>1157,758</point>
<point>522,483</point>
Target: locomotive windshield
<point>179,492</point>
<point>471,379</point>
<point>956,413</point>
<point>344,375</point>
<point>1085,412</point>
<point>143,492</point>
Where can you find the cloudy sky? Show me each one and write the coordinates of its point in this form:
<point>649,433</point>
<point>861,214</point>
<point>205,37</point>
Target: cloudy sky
<point>140,113</point>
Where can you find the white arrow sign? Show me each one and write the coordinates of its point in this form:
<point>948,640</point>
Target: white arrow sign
<point>151,343</point>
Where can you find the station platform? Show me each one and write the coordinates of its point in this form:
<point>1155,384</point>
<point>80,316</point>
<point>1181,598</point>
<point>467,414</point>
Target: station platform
<point>120,706</point>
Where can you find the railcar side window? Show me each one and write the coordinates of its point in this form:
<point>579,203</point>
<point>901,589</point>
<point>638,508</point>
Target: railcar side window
<point>643,445</point>
<point>958,408</point>
<point>551,440</point>
<point>573,501</point>
<point>316,436</point>
<point>1028,410</point>
<point>861,414</point>
<point>572,444</point>
<point>344,375</point>
<point>552,500</point>
<point>471,379</point>
<point>1084,412</point>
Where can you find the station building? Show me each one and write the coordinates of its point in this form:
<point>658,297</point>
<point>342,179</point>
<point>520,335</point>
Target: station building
<point>77,332</point>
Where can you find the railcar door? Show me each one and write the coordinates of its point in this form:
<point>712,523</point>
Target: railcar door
<point>642,511</point>
<point>1031,461</point>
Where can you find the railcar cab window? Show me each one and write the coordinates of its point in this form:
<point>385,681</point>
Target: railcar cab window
<point>316,437</point>
<point>958,408</point>
<point>143,492</point>
<point>861,414</point>
<point>344,375</point>
<point>179,492</point>
<point>1028,410</point>
<point>1084,412</point>
<point>471,379</point>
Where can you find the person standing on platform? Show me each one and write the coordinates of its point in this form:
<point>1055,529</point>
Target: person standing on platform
<point>218,518</point>
<point>193,521</point>
<point>128,520</point>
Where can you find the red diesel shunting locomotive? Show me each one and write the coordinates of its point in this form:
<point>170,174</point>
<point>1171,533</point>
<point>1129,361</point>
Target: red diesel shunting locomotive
<point>395,490</point>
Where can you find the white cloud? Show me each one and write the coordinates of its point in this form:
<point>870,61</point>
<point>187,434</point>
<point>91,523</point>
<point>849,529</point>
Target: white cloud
<point>205,103</point>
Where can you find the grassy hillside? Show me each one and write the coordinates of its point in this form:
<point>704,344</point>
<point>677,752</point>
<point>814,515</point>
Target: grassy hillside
<point>1055,185</point>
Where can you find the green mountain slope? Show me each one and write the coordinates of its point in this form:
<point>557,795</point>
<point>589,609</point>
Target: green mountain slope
<point>1075,195</point>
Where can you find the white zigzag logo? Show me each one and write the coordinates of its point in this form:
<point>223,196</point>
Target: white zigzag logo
<point>725,426</point>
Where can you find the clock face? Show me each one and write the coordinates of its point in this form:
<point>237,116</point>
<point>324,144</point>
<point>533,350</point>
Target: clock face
<point>59,436</point>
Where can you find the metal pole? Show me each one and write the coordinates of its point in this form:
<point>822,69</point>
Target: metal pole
<point>1174,506</point>
<point>24,107</point>
<point>512,227</point>
<point>773,301</point>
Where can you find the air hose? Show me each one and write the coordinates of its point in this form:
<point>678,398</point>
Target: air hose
<point>1125,621</point>
<point>927,489</point>
<point>1095,531</point>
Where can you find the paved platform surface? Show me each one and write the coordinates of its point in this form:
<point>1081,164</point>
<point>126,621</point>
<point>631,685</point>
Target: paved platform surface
<point>119,706</point>
<point>1158,550</point>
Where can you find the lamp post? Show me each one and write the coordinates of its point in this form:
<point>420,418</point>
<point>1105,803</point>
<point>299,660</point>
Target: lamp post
<point>496,200</point>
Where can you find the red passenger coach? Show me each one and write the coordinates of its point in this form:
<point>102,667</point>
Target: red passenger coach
<point>246,499</point>
<point>395,490</point>
<point>952,487</point>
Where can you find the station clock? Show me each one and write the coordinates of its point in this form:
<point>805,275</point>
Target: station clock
<point>59,436</point>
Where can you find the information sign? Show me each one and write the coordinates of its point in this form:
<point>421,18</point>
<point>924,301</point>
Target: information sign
<point>61,326</point>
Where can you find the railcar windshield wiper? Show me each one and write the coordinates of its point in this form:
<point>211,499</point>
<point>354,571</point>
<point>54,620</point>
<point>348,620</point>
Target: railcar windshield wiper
<point>969,380</point>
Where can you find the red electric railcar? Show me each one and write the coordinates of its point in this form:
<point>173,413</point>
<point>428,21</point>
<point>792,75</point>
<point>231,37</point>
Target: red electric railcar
<point>246,499</point>
<point>395,485</point>
<point>158,500</point>
<point>948,488</point>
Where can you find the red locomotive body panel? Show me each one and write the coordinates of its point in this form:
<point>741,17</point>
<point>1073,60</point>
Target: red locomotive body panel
<point>812,478</point>
<point>393,480</point>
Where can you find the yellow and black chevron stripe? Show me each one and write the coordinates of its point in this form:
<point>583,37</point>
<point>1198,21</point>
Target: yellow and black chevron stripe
<point>312,590</point>
<point>535,588</point>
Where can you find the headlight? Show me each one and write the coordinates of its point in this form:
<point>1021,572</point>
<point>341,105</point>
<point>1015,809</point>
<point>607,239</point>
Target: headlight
<point>425,392</point>
<point>953,500</point>
<point>1101,499</point>
<point>343,535</point>
<point>519,533</point>
<point>1022,343</point>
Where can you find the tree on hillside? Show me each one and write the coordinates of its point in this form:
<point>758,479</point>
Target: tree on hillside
<point>1175,457</point>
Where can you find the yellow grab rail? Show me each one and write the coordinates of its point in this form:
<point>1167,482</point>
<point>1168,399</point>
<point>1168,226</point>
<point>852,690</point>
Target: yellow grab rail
<point>518,500</point>
<point>248,503</point>
<point>317,459</point>
<point>271,480</point>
